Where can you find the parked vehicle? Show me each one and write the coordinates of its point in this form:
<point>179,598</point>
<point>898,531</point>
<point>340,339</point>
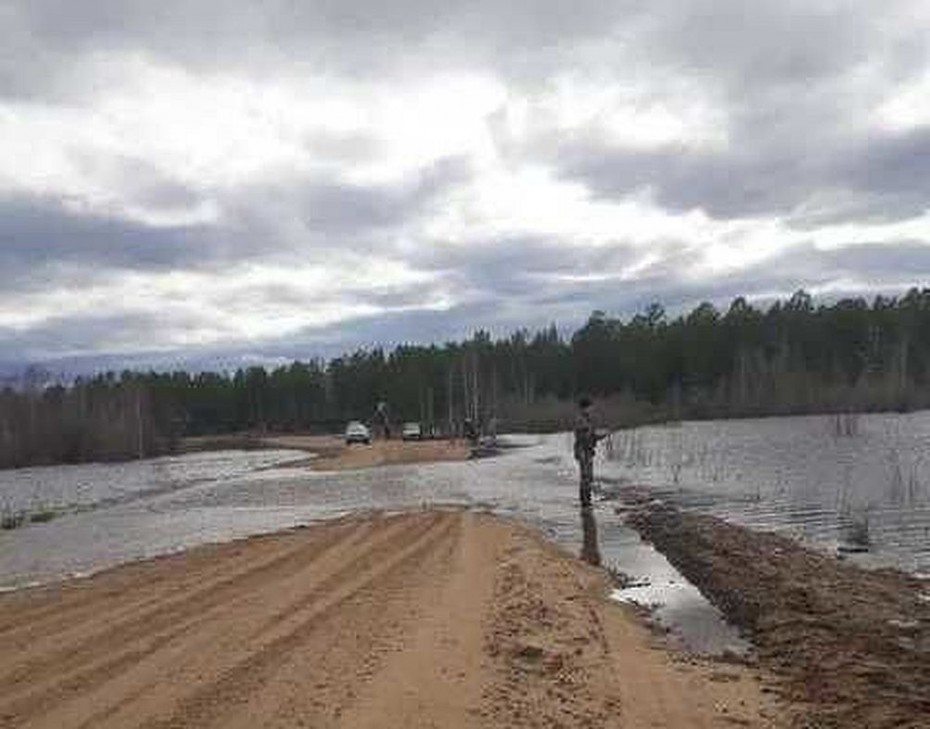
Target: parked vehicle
<point>357,432</point>
<point>411,431</point>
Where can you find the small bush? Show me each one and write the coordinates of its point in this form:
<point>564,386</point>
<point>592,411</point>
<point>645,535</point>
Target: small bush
<point>42,516</point>
<point>12,519</point>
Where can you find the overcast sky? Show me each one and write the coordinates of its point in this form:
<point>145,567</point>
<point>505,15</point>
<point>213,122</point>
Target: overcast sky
<point>221,178</point>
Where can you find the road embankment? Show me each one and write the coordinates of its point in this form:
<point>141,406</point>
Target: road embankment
<point>853,644</point>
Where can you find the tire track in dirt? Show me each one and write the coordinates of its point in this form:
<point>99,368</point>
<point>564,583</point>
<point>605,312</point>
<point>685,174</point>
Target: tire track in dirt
<point>150,617</point>
<point>201,616</point>
<point>358,633</point>
<point>76,604</point>
<point>432,675</point>
<point>239,681</point>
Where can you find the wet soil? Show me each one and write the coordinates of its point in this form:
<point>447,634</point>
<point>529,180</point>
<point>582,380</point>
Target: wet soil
<point>331,453</point>
<point>853,644</point>
<point>426,619</point>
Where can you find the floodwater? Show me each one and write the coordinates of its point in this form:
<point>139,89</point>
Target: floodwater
<point>792,474</point>
<point>95,485</point>
<point>855,484</point>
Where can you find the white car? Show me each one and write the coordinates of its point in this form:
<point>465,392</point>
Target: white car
<point>411,431</point>
<point>357,432</point>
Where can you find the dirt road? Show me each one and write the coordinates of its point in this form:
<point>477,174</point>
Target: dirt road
<point>431,619</point>
<point>332,454</point>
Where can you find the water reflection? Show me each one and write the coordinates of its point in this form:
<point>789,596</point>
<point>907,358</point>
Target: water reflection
<point>590,549</point>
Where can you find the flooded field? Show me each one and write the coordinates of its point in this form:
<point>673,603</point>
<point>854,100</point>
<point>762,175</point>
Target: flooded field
<point>63,489</point>
<point>860,482</point>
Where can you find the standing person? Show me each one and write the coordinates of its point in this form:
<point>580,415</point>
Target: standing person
<point>382,419</point>
<point>470,431</point>
<point>586,438</point>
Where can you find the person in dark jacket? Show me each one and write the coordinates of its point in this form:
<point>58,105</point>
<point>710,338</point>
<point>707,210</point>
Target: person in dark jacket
<point>586,438</point>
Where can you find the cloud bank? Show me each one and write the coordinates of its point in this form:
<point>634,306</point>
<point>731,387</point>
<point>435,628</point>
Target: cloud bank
<point>238,179</point>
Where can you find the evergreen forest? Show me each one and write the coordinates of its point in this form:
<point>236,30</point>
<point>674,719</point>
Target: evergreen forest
<point>793,356</point>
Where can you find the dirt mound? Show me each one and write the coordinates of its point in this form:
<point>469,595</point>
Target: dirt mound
<point>853,643</point>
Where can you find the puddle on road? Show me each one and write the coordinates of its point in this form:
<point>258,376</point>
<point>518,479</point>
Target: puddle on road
<point>649,581</point>
<point>678,607</point>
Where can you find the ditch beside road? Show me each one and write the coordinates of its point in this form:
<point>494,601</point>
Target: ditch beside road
<point>853,644</point>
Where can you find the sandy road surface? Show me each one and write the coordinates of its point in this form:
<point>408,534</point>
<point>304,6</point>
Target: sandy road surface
<point>431,619</point>
<point>330,452</point>
<point>334,455</point>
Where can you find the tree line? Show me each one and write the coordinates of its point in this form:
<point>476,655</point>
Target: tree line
<point>795,356</point>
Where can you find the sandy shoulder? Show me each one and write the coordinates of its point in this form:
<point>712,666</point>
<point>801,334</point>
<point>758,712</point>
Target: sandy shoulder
<point>332,453</point>
<point>445,619</point>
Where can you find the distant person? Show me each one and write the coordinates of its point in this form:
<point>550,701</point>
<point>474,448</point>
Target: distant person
<point>586,438</point>
<point>470,432</point>
<point>382,419</point>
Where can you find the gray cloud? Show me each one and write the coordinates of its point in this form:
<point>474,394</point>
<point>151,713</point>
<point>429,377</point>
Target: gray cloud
<point>90,334</point>
<point>798,84</point>
<point>316,217</point>
<point>758,49</point>
<point>355,37</point>
<point>37,234</point>
<point>897,265</point>
<point>871,179</point>
<point>775,52</point>
<point>42,234</point>
<point>344,208</point>
<point>795,84</point>
<point>889,269</point>
<point>517,255</point>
